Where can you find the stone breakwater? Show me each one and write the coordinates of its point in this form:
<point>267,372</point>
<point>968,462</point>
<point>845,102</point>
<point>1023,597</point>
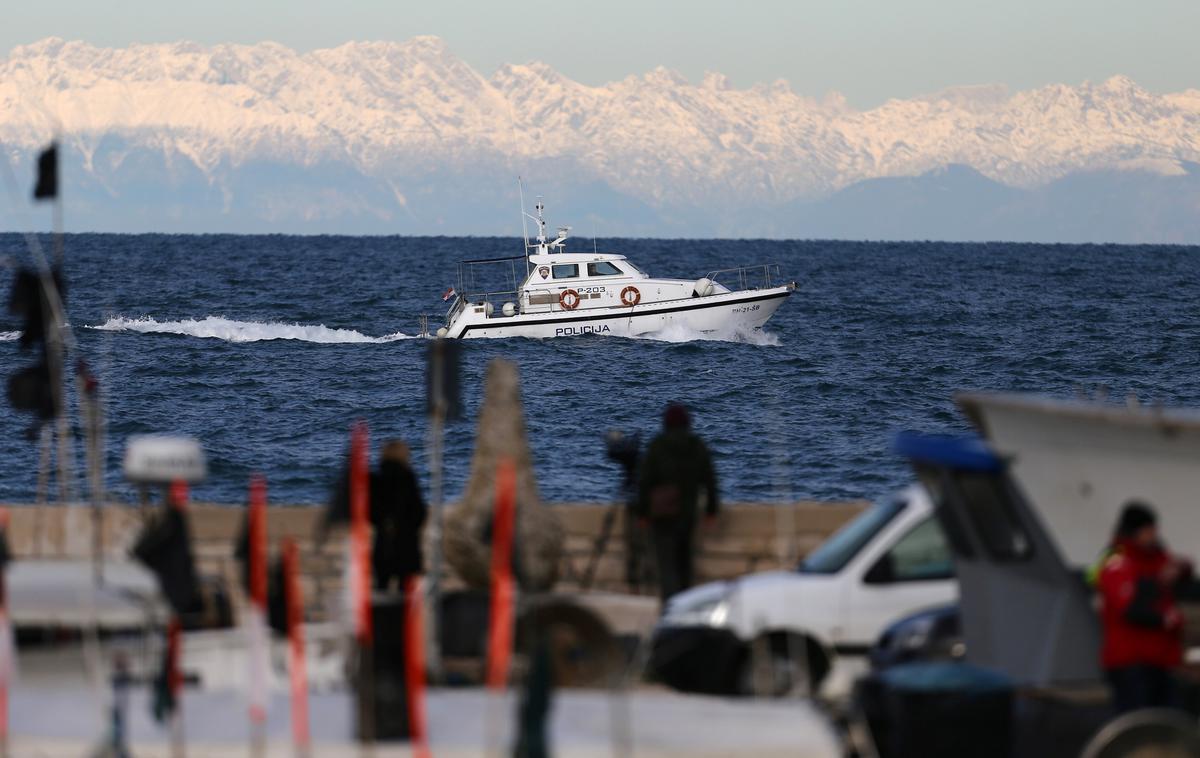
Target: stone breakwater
<point>748,537</point>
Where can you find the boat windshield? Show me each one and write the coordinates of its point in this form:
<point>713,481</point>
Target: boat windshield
<point>603,268</point>
<point>833,554</point>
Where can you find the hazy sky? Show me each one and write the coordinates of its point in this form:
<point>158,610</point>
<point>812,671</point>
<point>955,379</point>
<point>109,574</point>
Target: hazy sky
<point>869,50</point>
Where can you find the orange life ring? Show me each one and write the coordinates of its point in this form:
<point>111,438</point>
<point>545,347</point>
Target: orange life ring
<point>568,299</point>
<point>630,296</point>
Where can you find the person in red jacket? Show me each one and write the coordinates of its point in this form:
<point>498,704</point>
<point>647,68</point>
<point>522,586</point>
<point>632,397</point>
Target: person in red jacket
<point>1143,628</point>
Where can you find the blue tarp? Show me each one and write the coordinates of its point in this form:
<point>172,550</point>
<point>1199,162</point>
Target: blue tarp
<point>951,451</point>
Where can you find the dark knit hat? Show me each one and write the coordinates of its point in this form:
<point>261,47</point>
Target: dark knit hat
<point>676,417</point>
<point>1135,516</point>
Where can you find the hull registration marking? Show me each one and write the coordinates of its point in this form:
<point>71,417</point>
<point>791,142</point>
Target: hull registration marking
<point>566,331</point>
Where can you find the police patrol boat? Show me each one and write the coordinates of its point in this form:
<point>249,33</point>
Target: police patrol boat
<point>549,292</point>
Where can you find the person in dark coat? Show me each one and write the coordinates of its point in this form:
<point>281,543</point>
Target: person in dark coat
<point>677,483</point>
<point>398,514</point>
<point>1143,626</point>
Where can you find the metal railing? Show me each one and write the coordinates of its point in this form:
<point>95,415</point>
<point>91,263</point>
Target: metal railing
<point>470,272</point>
<point>472,293</point>
<point>760,276</point>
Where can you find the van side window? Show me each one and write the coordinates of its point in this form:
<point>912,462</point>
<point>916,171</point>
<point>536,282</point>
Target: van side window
<point>921,555</point>
<point>566,271</point>
<point>603,268</point>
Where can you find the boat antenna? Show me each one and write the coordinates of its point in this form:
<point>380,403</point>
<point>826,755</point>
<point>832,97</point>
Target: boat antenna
<point>524,225</point>
<point>540,220</point>
<point>595,249</point>
<point>540,207</point>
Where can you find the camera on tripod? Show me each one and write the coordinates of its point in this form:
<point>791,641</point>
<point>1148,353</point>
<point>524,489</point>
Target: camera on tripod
<point>624,449</point>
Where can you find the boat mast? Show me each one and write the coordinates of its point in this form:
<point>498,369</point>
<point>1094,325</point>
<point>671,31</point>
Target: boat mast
<point>524,225</point>
<point>541,224</point>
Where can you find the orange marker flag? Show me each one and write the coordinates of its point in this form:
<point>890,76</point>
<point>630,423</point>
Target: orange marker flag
<point>414,666</point>
<point>256,612</point>
<point>360,538</point>
<point>179,494</point>
<point>295,625</point>
<point>500,625</point>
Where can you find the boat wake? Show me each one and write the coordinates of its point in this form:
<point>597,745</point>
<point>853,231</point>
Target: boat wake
<point>681,333</point>
<point>230,330</point>
<point>9,336</point>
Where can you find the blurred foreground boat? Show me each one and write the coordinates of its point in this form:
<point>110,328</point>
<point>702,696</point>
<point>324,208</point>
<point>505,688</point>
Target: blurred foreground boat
<point>1081,461</point>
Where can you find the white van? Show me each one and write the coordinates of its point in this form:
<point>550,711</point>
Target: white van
<point>809,629</point>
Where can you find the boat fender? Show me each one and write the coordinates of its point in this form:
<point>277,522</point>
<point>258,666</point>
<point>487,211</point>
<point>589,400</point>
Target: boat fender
<point>704,287</point>
<point>630,296</point>
<point>488,309</point>
<point>508,309</point>
<point>568,299</point>
<point>442,331</point>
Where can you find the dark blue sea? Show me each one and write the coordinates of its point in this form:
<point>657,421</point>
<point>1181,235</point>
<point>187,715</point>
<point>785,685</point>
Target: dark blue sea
<point>266,348</point>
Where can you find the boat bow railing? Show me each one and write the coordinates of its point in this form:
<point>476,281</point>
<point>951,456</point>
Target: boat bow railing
<point>760,276</point>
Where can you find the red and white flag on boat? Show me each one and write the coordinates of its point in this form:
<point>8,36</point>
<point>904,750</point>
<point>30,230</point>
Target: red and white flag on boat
<point>449,293</point>
<point>256,612</point>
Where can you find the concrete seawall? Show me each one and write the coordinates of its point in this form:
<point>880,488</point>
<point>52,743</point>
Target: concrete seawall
<point>748,537</point>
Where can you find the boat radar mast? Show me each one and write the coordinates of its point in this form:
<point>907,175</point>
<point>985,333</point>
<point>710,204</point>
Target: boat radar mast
<point>544,246</point>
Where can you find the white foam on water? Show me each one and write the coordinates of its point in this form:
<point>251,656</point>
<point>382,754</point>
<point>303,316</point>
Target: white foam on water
<point>9,336</point>
<point>230,330</point>
<point>680,333</point>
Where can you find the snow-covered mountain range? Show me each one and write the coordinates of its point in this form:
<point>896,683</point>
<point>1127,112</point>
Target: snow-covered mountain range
<point>407,138</point>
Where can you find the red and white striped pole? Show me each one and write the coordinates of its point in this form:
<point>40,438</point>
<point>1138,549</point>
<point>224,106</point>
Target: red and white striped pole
<point>179,500</point>
<point>360,579</point>
<point>296,661</point>
<point>360,534</point>
<point>414,666</point>
<point>256,612</point>
<point>500,625</point>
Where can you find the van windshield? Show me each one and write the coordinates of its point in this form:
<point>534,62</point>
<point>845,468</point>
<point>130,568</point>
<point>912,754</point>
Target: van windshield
<point>835,552</point>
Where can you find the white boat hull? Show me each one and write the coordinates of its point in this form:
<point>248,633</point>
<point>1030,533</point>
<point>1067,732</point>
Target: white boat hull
<point>728,312</point>
<point>1081,462</point>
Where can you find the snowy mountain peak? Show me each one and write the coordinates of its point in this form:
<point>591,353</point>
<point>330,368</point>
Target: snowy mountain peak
<point>715,82</point>
<point>661,76</point>
<point>46,47</point>
<point>1120,83</point>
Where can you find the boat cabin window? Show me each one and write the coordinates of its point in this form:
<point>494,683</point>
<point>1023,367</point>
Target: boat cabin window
<point>566,271</point>
<point>603,268</point>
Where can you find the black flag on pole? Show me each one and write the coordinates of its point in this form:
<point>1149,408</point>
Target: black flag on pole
<point>47,176</point>
<point>165,547</point>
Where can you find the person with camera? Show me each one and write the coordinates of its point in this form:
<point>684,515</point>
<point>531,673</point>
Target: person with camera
<point>677,483</point>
